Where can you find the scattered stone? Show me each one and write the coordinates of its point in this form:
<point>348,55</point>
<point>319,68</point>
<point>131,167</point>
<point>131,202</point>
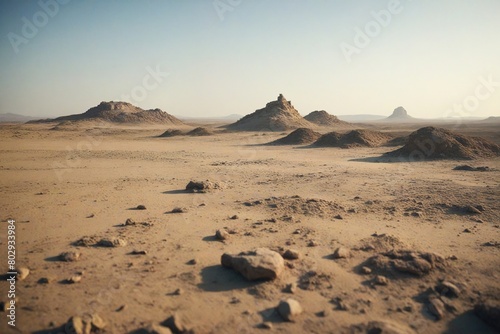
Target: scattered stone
<point>436,307</point>
<point>178,210</point>
<point>76,325</point>
<point>175,323</point>
<point>73,279</point>
<point>467,231</point>
<point>138,252</point>
<point>289,309</point>
<point>86,241</point>
<point>297,231</point>
<point>448,289</point>
<point>202,186</point>
<point>291,254</point>
<point>140,207</point>
<point>341,253</point>
<point>492,244</point>
<point>312,243</point>
<point>178,292</point>
<point>261,263</point>
<point>129,222</point>
<point>155,329</point>
<point>70,256</point>
<point>221,235</point>
<point>380,280</point>
<point>489,313</point>
<point>382,327</point>
<point>22,273</point>
<point>97,322</point>
<point>234,217</point>
<point>366,270</point>
<point>338,217</point>
<point>473,210</point>
<point>91,215</point>
<point>290,288</point>
<point>192,262</point>
<point>46,280</point>
<point>266,325</point>
<point>121,308</point>
<point>112,242</point>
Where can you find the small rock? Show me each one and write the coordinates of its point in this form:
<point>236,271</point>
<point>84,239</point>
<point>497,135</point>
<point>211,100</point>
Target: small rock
<point>192,262</point>
<point>178,210</point>
<point>221,235</point>
<point>76,325</point>
<point>291,254</point>
<point>341,253</point>
<point>138,252</point>
<point>448,289</point>
<point>289,309</point>
<point>112,242</point>
<point>74,279</point>
<point>234,217</point>
<point>366,270</point>
<point>380,280</point>
<point>467,231</point>
<point>473,210</point>
<point>436,307</point>
<point>140,207</point>
<point>129,222</point>
<point>22,273</point>
<point>97,322</point>
<point>155,329</point>
<point>312,243</point>
<point>70,256</point>
<point>175,323</point>
<point>178,292</point>
<point>338,217</point>
<point>266,325</point>
<point>46,280</point>
<point>297,231</point>
<point>290,288</point>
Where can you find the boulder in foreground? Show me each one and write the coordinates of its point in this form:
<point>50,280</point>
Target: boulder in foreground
<point>261,263</point>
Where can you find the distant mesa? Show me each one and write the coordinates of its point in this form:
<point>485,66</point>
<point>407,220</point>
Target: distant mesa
<point>431,143</point>
<point>354,138</point>
<point>278,115</point>
<point>322,118</point>
<point>15,118</point>
<point>399,115</point>
<point>119,112</point>
<point>298,137</point>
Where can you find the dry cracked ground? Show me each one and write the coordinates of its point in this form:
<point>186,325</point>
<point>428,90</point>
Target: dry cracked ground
<point>115,244</point>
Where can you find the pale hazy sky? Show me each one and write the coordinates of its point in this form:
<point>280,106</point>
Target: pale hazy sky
<point>214,58</point>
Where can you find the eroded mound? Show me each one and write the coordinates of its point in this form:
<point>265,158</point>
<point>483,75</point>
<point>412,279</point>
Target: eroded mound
<point>355,138</point>
<point>437,143</point>
<point>279,115</point>
<point>171,133</point>
<point>297,205</point>
<point>321,117</point>
<point>200,131</point>
<point>298,137</point>
<point>406,262</point>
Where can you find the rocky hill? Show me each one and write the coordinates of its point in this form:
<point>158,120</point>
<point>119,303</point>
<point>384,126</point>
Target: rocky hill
<point>119,112</point>
<point>279,115</point>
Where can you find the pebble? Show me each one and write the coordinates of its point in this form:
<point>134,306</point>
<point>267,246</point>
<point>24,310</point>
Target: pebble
<point>70,256</point>
<point>380,280</point>
<point>341,253</point>
<point>22,273</point>
<point>221,235</point>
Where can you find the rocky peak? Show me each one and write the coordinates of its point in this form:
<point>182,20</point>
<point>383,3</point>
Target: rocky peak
<point>399,112</point>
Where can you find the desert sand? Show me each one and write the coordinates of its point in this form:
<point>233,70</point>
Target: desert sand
<point>343,211</point>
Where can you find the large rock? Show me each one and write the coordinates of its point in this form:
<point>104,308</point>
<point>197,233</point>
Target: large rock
<point>261,263</point>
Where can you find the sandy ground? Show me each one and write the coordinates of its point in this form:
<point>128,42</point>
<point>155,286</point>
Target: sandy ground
<point>62,185</point>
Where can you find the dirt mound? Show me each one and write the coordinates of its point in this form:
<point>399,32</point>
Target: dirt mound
<point>171,133</point>
<point>355,138</point>
<point>437,143</point>
<point>200,131</point>
<point>406,262</point>
<point>278,115</point>
<point>119,112</point>
<point>321,117</point>
<point>298,137</point>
